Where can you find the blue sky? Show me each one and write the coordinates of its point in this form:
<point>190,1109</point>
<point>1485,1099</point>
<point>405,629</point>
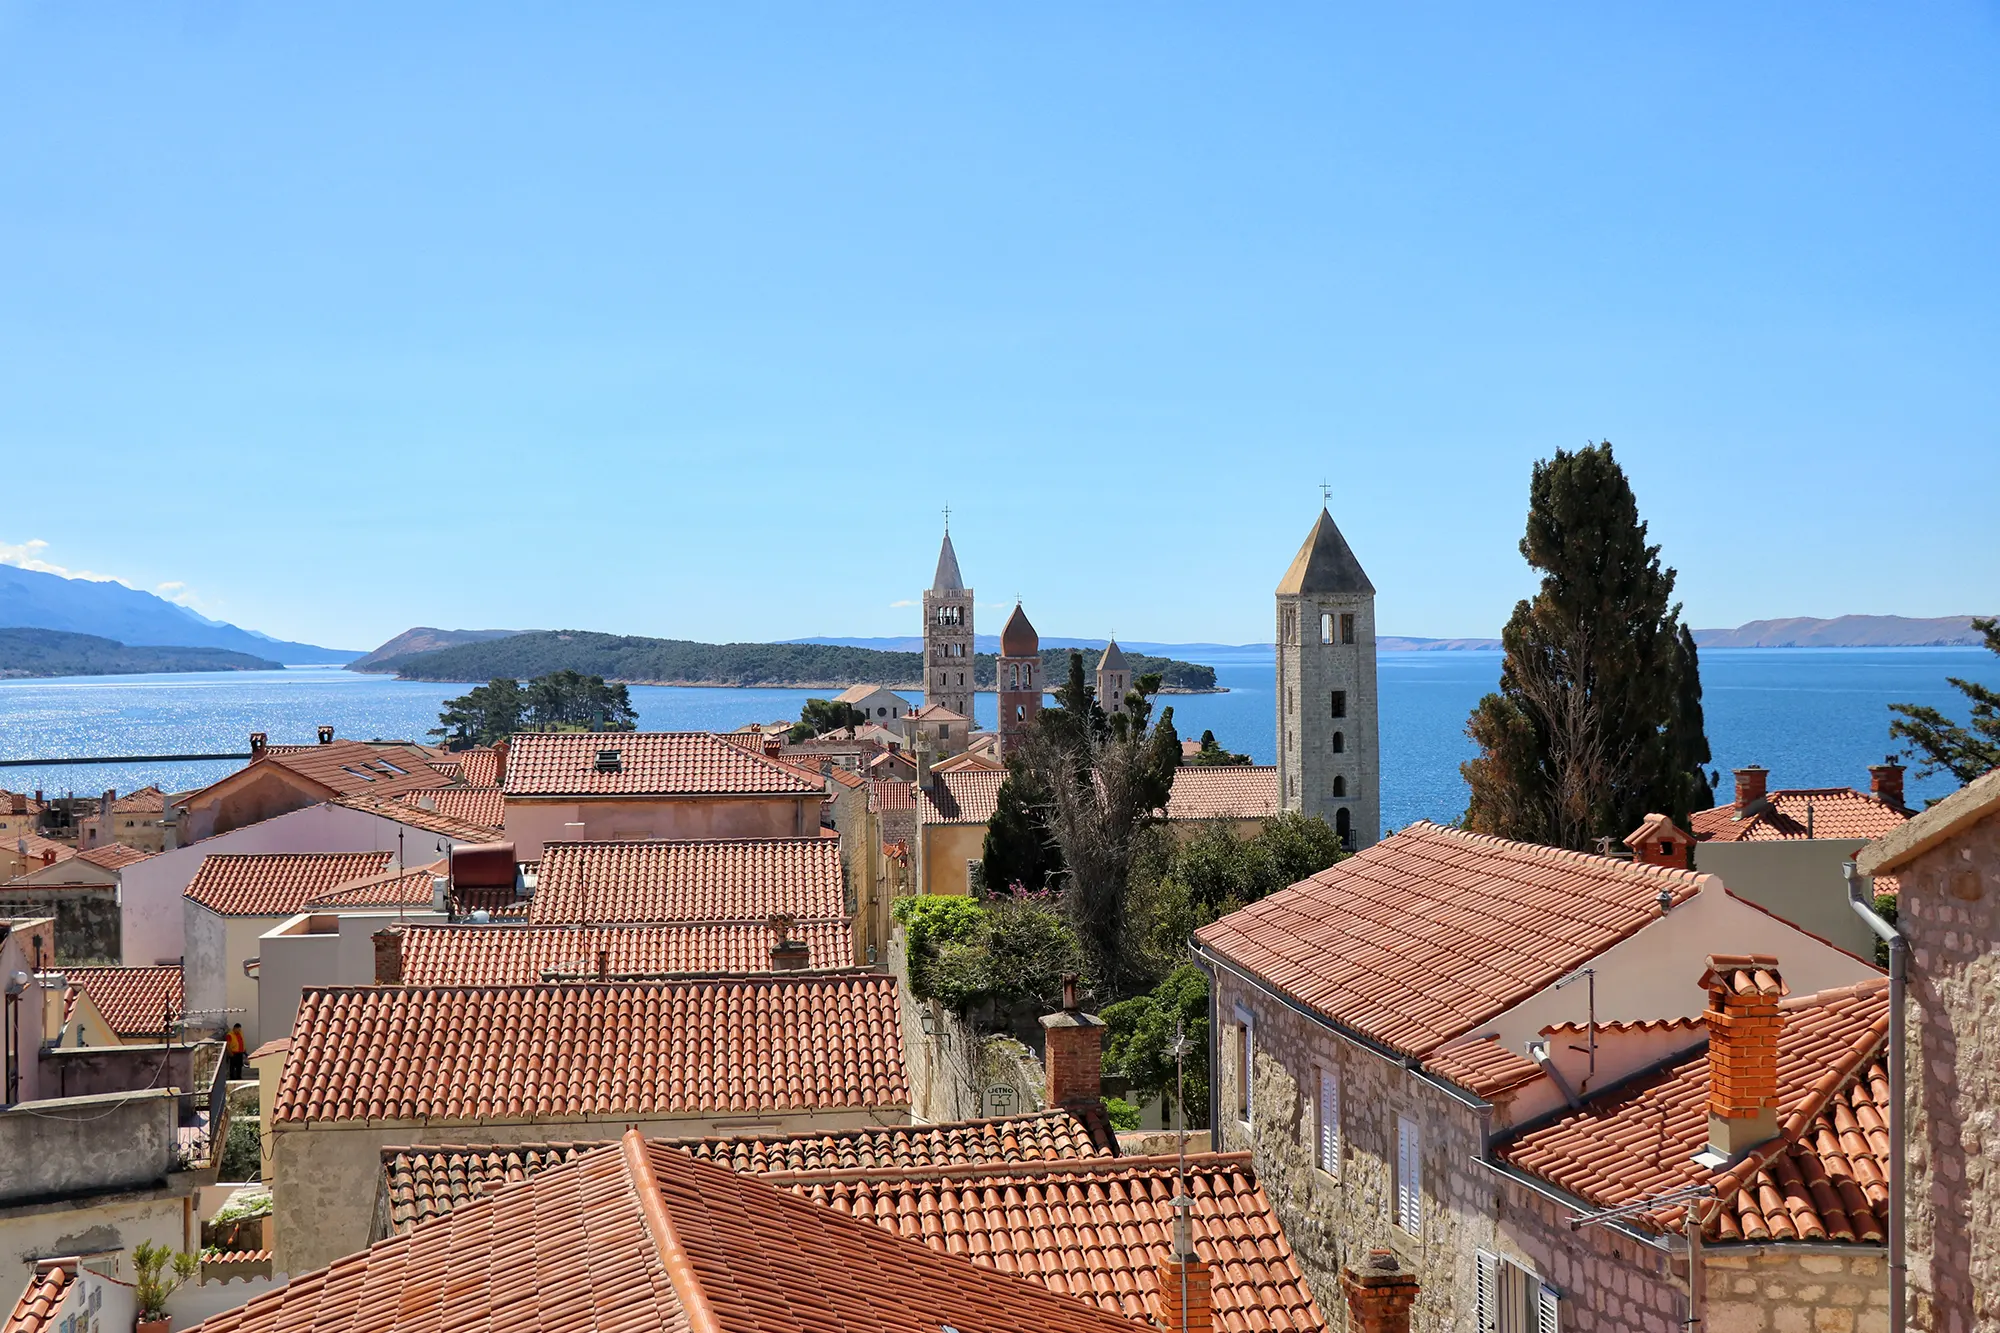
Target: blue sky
<point>340,319</point>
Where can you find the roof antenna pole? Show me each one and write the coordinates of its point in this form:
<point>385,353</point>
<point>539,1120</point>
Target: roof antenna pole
<point>1182,1204</point>
<point>1589,975</point>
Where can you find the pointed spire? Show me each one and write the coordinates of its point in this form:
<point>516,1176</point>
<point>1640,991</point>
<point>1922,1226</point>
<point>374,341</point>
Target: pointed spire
<point>1113,659</point>
<point>1325,564</point>
<point>948,578</point>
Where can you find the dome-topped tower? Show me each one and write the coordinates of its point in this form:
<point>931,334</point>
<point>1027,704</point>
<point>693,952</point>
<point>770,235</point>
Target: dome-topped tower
<point>948,636</point>
<point>1019,675</point>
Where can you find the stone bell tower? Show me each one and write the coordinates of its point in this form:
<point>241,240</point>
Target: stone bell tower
<point>1018,675</point>
<point>1329,761</point>
<point>948,636</point>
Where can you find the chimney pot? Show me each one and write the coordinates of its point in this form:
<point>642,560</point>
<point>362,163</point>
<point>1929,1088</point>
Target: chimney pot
<point>1885,782</point>
<point>1744,1024</point>
<point>326,735</point>
<point>1750,786</point>
<point>258,740</point>
<point>389,956</point>
<point>1379,1294</point>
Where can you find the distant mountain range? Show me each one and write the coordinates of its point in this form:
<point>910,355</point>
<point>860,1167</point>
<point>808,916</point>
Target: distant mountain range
<point>31,599</point>
<point>424,639</point>
<point>1845,632</point>
<point>54,652</point>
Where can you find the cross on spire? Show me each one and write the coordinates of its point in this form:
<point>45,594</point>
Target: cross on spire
<point>1325,494</point>
<point>947,519</point>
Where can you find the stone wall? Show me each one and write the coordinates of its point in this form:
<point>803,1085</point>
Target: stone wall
<point>84,1145</point>
<point>1950,912</point>
<point>86,916</point>
<point>1810,1289</point>
<point>93,1071</point>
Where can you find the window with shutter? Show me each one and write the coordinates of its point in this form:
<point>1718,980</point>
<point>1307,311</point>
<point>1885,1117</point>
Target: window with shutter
<point>1550,1312</point>
<point>1512,1299</point>
<point>1488,1292</point>
<point>1409,1177</point>
<point>1329,1123</point>
<point>1244,1065</point>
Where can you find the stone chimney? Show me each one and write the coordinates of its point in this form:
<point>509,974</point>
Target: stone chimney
<point>1379,1294</point>
<point>1186,1290</point>
<point>326,735</point>
<point>1074,1053</point>
<point>20,803</point>
<point>500,748</point>
<point>921,749</point>
<point>389,956</point>
<point>1743,1029</point>
<point>1661,842</point>
<point>1749,787</point>
<point>1885,782</point>
<point>787,953</point>
<point>258,740</point>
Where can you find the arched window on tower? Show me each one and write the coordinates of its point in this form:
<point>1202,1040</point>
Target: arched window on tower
<point>1340,742</point>
<point>1020,713</point>
<point>1326,627</point>
<point>1344,827</point>
<point>1339,785</point>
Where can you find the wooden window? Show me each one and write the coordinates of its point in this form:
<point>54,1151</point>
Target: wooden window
<point>1409,1176</point>
<point>1327,1123</point>
<point>1513,1299</point>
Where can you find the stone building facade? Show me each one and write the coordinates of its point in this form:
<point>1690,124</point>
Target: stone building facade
<point>1114,678</point>
<point>1019,679</point>
<point>948,641</point>
<point>1329,760</point>
<point>1947,864</point>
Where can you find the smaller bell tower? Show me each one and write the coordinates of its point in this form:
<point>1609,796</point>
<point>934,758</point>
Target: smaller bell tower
<point>1019,676</point>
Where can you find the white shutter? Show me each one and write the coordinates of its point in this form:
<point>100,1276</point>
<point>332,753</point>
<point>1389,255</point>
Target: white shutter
<point>1548,1311</point>
<point>1489,1292</point>
<point>1329,1123</point>
<point>1409,1177</point>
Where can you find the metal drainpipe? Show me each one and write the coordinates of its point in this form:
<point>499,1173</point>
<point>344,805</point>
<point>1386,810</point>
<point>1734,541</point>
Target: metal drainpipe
<point>1864,907</point>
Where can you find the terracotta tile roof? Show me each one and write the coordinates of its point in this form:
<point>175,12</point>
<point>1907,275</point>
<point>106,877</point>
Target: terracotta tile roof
<point>740,880</point>
<point>846,777</point>
<point>1217,791</point>
<point>1431,932</point>
<point>478,767</point>
<point>787,1042</point>
<point>1484,1067</point>
<point>134,1000</point>
<point>1745,974</point>
<point>1097,1231</point>
<point>145,801</point>
<point>965,797</point>
<point>641,1236</point>
<point>969,761</point>
<point>413,816</point>
<point>1836,812</point>
<point>112,855</point>
<point>278,883</point>
<point>349,768</point>
<point>36,847</point>
<point>471,805</point>
<point>469,955</point>
<point>391,888</point>
<point>650,763</point>
<point>47,1286</point>
<point>420,1183</point>
<point>33,806</point>
<point>1825,1177</point>
<point>894,795</point>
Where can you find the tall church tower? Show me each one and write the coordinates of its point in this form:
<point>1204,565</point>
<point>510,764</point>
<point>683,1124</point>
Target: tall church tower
<point>1329,759</point>
<point>948,636</point>
<point>1019,676</point>
<point>1114,678</point>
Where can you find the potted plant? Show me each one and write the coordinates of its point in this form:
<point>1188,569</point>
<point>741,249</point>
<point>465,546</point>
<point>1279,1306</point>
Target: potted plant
<point>161,1274</point>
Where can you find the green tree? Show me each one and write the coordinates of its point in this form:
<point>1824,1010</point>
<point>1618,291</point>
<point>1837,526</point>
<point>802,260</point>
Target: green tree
<point>1140,1035</point>
<point>1688,754</point>
<point>820,716</point>
<point>1183,883</point>
<point>1964,750</point>
<point>1212,755</point>
<point>484,715</point>
<point>995,963</point>
<point>572,701</point>
<point>1020,855</point>
<point>1589,729</point>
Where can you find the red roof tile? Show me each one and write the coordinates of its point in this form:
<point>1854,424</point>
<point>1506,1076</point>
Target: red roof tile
<point>650,763</point>
<point>741,880</point>
<point>145,801</point>
<point>471,805</point>
<point>894,795</point>
<point>1829,812</point>
<point>1431,932</point>
<point>390,888</point>
<point>36,847</point>
<point>412,815</point>
<point>278,884</point>
<point>47,1286</point>
<point>478,767</point>
<point>1224,791</point>
<point>351,768</point>
<point>965,797</point>
<point>472,955</point>
<point>112,855</point>
<point>135,1001</point>
<point>640,1236</point>
<point>1824,1177</point>
<point>420,1183</point>
<point>787,1042</point>
<point>1484,1067</point>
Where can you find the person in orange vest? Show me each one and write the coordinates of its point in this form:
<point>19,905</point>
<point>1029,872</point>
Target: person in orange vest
<point>233,1048</point>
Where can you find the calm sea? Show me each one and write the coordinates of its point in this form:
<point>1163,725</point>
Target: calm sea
<point>1814,717</point>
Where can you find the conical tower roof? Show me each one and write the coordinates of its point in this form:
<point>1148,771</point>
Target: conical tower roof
<point>1325,564</point>
<point>1113,660</point>
<point>1019,639</point>
<point>948,578</point>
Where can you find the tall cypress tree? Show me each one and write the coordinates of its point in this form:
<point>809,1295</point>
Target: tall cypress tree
<point>1597,721</point>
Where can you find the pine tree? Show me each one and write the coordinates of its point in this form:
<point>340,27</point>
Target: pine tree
<point>1944,746</point>
<point>1020,850</point>
<point>1593,726</point>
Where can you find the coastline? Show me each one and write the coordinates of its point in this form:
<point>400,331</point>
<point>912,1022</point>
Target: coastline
<point>911,686</point>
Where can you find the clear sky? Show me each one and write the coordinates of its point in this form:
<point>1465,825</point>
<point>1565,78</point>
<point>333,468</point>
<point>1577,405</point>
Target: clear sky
<point>689,320</point>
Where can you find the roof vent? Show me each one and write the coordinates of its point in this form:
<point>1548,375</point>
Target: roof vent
<point>610,761</point>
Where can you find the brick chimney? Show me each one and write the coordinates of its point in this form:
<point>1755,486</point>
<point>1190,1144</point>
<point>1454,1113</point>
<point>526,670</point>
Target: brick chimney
<point>500,762</point>
<point>1743,1029</point>
<point>1186,1290</point>
<point>1885,782</point>
<point>389,956</point>
<point>20,803</point>
<point>1074,1052</point>
<point>1379,1294</point>
<point>787,953</point>
<point>258,740</point>
<point>48,856</point>
<point>326,735</point>
<point>1749,787</point>
<point>1661,842</point>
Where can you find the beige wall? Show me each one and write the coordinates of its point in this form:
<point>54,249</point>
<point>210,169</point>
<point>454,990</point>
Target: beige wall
<point>110,1224</point>
<point>941,853</point>
<point>1799,879</point>
<point>274,790</point>
<point>324,1179</point>
<point>530,824</point>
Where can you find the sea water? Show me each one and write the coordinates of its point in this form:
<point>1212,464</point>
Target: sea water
<point>1814,717</point>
